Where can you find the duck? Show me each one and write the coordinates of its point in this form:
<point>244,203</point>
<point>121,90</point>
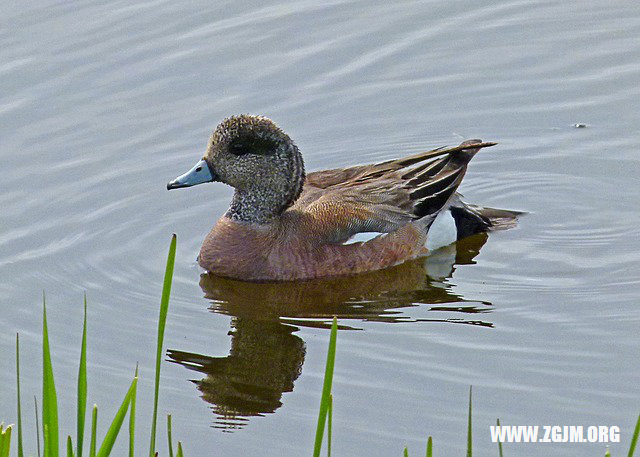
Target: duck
<point>284,224</point>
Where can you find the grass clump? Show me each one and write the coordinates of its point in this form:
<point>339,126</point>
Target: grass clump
<point>51,432</point>
<point>5,440</point>
<point>326,407</point>
<point>326,399</point>
<point>50,428</point>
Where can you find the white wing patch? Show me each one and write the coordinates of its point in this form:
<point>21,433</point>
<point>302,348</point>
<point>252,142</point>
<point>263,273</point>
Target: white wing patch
<point>362,237</point>
<point>442,232</point>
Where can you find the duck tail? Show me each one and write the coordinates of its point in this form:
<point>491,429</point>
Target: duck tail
<point>501,219</point>
<point>472,219</point>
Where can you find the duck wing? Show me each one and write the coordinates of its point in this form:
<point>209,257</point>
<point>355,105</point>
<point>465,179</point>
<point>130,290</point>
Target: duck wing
<point>385,196</point>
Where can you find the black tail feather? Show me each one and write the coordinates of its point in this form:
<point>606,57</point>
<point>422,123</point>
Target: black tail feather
<point>472,219</point>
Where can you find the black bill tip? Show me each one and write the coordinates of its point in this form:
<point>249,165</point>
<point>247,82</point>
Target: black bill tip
<point>175,184</point>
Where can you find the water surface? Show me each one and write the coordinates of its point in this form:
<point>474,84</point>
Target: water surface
<point>101,103</point>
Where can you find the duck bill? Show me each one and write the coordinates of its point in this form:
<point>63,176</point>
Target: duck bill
<point>200,173</point>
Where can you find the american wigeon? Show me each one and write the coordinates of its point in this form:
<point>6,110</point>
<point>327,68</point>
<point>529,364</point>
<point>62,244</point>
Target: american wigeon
<point>286,225</point>
<point>371,295</point>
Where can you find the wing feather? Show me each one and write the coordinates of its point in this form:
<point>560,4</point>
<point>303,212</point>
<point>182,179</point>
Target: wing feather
<point>385,196</point>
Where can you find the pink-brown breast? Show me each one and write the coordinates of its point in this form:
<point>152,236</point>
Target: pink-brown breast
<point>296,248</point>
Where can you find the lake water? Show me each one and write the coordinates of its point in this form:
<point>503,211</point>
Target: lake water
<point>101,103</point>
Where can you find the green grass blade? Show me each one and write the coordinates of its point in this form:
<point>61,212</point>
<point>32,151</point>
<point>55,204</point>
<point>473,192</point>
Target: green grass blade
<point>179,453</point>
<point>169,435</point>
<point>469,436</point>
<point>20,449</point>
<point>499,442</point>
<point>35,402</point>
<point>82,385</point>
<point>69,446</point>
<point>45,438</point>
<point>326,388</point>
<point>329,424</point>
<point>49,397</point>
<point>430,447</point>
<point>116,424</point>
<point>164,306</point>
<point>5,441</point>
<point>634,439</point>
<point>94,426</point>
<point>406,452</point>
<point>132,418</point>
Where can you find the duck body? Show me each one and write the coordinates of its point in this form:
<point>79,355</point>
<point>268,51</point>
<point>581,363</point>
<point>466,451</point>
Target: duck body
<point>286,225</point>
<point>292,248</point>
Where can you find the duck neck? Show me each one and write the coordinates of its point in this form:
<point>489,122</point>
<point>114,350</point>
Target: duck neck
<point>268,197</point>
<point>253,206</point>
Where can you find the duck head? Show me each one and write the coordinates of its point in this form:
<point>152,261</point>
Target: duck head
<point>254,156</point>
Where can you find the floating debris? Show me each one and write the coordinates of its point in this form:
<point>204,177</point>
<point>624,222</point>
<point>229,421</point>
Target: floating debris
<point>580,126</point>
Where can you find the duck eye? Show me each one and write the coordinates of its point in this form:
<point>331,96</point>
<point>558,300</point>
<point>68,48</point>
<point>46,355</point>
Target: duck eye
<point>198,169</point>
<point>238,148</point>
<point>252,145</point>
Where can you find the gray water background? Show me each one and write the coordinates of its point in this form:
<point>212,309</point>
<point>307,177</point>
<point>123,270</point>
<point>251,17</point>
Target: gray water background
<point>101,103</point>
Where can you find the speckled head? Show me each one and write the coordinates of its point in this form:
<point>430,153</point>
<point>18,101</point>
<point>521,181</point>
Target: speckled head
<point>253,155</point>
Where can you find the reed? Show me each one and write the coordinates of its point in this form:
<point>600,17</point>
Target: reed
<point>469,434</point>
<point>634,438</point>
<point>5,440</point>
<point>326,399</point>
<point>51,432</point>
<point>499,443</point>
<point>326,407</point>
<point>50,426</point>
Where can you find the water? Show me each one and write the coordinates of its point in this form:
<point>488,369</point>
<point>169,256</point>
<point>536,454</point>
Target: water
<point>101,103</point>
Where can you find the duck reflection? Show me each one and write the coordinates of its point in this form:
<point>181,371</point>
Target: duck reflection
<point>264,361</point>
<point>266,356</point>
